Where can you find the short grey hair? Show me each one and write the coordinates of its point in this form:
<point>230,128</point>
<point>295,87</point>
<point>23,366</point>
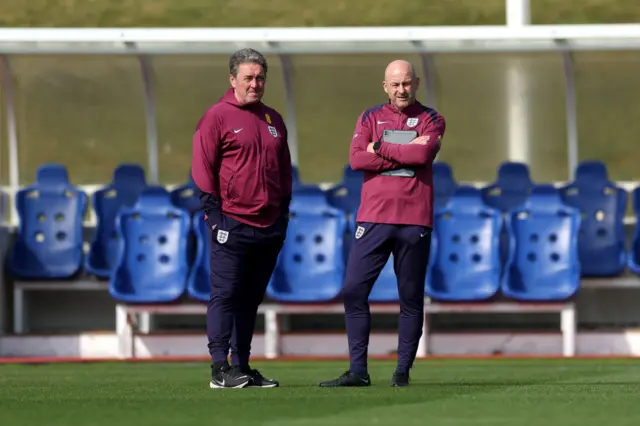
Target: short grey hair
<point>244,56</point>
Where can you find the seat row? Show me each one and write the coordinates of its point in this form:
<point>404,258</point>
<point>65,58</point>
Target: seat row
<point>154,266</point>
<point>156,262</point>
<point>51,209</point>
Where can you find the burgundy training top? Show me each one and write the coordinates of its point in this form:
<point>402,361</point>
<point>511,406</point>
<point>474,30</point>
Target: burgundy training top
<point>390,199</point>
<point>241,157</point>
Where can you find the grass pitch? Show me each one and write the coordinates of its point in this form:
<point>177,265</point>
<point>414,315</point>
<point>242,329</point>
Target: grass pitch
<point>443,392</point>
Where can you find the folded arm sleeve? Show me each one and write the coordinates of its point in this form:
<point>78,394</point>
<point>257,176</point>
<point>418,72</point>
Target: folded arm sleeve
<point>359,158</point>
<point>414,154</point>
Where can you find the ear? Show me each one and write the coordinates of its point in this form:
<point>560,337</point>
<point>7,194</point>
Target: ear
<point>384,87</point>
<point>232,81</point>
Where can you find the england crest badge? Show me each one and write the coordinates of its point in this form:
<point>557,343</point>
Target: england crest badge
<point>273,131</point>
<point>412,122</point>
<point>222,236</point>
<point>359,232</point>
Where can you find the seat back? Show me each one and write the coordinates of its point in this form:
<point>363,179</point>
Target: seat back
<point>634,250</point>
<point>543,262</point>
<point>310,266</point>
<point>153,262</point>
<point>187,196</point>
<point>199,281</point>
<point>444,184</point>
<point>511,188</point>
<point>465,257</point>
<point>49,238</point>
<point>346,195</point>
<point>127,183</point>
<point>601,242</point>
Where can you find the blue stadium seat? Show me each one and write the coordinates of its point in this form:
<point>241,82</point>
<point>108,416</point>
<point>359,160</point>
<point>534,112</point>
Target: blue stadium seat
<point>634,250</point>
<point>152,264</point>
<point>465,260</point>
<point>543,263</point>
<point>444,184</point>
<point>199,282</point>
<point>127,183</point>
<point>346,195</point>
<point>311,266</point>
<point>187,196</point>
<point>601,242</point>
<point>49,239</point>
<point>511,188</point>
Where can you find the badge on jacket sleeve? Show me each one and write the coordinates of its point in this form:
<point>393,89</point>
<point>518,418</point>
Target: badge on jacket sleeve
<point>273,131</point>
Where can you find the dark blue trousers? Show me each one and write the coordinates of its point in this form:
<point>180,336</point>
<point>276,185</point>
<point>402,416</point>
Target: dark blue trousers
<point>242,259</point>
<point>372,246</point>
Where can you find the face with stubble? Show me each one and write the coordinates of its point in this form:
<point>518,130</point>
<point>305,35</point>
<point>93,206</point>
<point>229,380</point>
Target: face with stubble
<point>248,83</point>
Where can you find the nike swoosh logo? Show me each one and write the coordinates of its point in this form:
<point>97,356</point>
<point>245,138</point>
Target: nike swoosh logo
<point>382,122</point>
<point>237,130</point>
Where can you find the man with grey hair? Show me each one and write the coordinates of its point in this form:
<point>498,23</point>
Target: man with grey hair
<point>242,166</point>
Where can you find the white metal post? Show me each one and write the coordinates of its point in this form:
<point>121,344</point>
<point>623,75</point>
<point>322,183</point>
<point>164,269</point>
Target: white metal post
<point>518,15</point>
<point>429,73</point>
<point>569,330</point>
<point>12,132</point>
<point>572,118</point>
<point>292,129</point>
<point>150,108</point>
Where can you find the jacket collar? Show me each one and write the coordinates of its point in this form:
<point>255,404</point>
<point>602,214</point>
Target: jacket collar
<point>230,98</point>
<point>412,110</point>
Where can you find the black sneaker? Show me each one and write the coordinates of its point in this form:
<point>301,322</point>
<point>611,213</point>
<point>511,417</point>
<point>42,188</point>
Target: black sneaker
<point>258,380</point>
<point>228,377</point>
<point>347,379</point>
<point>400,379</point>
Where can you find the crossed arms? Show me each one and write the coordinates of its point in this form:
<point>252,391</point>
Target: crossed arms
<point>421,151</point>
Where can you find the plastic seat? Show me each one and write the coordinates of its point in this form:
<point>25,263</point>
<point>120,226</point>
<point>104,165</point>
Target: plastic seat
<point>543,262</point>
<point>346,195</point>
<point>633,259</point>
<point>127,183</point>
<point>444,184</point>
<point>152,264</point>
<point>601,242</point>
<point>465,258</point>
<point>199,282</point>
<point>310,266</point>
<point>49,238</point>
<point>187,196</point>
<point>511,188</point>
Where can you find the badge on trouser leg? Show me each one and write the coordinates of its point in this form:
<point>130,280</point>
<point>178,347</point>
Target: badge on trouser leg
<point>222,236</point>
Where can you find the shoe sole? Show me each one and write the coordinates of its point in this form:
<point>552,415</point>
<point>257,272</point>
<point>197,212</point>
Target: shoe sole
<point>213,385</point>
<point>265,386</point>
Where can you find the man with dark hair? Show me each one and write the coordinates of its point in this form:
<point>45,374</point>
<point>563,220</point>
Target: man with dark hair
<point>242,165</point>
<point>395,216</point>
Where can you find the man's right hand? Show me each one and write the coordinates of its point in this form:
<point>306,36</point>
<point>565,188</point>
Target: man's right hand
<point>420,140</point>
